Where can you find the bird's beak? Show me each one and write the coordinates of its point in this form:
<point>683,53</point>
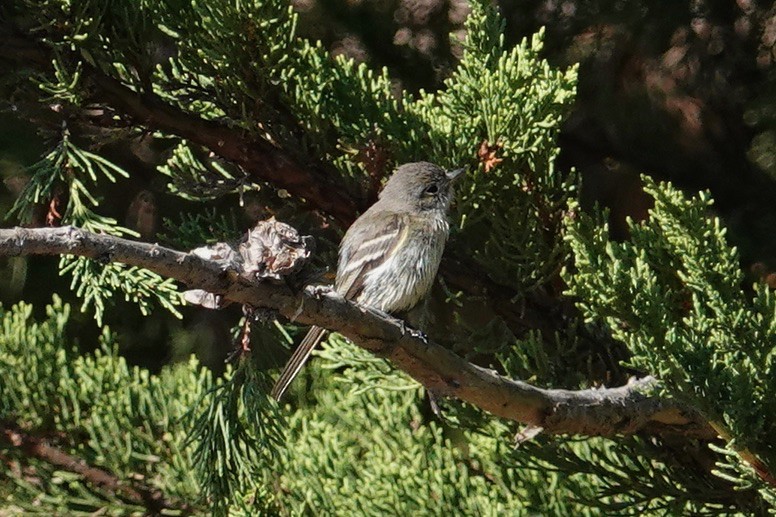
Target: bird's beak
<point>455,173</point>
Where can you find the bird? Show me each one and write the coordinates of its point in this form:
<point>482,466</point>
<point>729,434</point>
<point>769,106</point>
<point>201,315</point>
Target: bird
<point>390,255</point>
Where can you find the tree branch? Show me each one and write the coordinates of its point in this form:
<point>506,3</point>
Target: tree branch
<point>259,158</point>
<point>599,412</point>
<point>152,499</point>
<point>265,162</point>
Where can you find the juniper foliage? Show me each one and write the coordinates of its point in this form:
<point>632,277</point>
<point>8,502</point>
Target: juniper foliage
<point>356,437</point>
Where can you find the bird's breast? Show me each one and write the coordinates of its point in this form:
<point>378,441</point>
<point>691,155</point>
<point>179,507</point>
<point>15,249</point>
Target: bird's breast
<point>406,277</point>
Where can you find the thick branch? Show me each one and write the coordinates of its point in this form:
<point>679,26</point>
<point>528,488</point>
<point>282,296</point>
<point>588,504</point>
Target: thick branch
<point>604,412</point>
<point>36,447</point>
<point>256,156</point>
<point>259,158</point>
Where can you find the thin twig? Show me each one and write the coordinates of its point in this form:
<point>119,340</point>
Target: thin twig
<point>33,446</point>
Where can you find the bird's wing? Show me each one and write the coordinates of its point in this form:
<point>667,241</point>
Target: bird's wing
<point>367,244</point>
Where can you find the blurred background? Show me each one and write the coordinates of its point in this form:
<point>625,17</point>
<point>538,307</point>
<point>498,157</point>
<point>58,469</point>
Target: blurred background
<point>682,91</point>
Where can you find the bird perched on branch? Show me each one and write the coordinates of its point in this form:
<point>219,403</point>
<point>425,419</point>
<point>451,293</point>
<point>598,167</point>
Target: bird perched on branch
<point>390,255</point>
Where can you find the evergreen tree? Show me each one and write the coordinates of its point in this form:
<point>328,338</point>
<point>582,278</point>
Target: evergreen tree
<point>241,110</point>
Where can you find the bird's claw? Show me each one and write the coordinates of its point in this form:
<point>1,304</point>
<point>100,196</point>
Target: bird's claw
<point>319,290</point>
<point>417,334</point>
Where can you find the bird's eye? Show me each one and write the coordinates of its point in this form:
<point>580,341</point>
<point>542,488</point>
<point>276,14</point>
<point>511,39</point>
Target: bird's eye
<point>433,189</point>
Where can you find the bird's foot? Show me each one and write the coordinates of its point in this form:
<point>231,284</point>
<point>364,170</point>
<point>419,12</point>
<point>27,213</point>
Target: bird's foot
<point>418,334</point>
<point>319,291</point>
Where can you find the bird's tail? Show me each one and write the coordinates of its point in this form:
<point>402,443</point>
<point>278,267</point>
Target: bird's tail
<point>297,361</point>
